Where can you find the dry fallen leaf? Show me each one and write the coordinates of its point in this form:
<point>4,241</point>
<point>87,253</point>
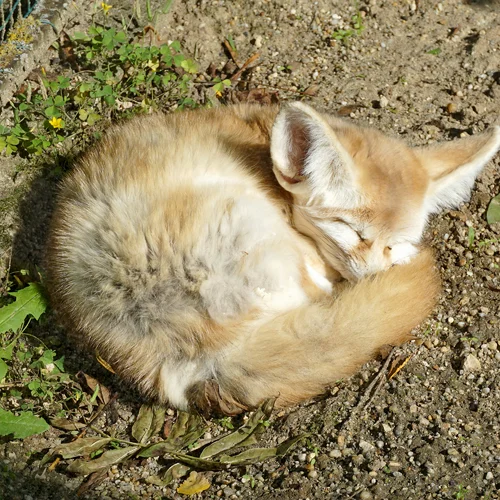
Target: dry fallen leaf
<point>396,368</point>
<point>311,91</point>
<point>66,425</point>
<point>195,483</point>
<point>93,384</point>
<point>104,363</point>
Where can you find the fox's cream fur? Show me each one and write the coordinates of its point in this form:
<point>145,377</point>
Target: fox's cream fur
<point>201,253</point>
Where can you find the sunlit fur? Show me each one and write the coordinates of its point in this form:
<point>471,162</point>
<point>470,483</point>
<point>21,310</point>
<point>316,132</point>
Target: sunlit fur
<point>365,197</point>
<point>174,251</point>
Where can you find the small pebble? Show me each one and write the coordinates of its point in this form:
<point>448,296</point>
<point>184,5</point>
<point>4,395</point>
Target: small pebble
<point>471,364</point>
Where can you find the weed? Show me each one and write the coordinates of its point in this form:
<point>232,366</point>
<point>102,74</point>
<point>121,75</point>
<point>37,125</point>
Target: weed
<point>461,492</point>
<point>226,422</point>
<point>118,78</point>
<point>33,380</point>
<point>470,237</point>
<point>343,36</point>
<point>247,478</point>
<point>434,52</point>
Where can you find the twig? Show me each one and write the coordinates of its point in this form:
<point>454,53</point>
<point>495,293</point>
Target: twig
<point>232,53</point>
<point>124,441</point>
<point>247,63</point>
<point>15,384</point>
<point>371,390</point>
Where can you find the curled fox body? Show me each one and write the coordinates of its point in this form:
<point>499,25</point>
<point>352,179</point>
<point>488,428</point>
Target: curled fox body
<point>200,253</point>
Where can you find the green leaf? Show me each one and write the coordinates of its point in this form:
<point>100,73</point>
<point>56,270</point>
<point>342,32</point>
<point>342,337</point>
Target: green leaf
<point>52,111</point>
<point>107,459</point>
<point>470,236</point>
<point>148,423</point>
<point>12,140</point>
<point>7,352</point>
<point>29,301</point>
<point>92,118</point>
<point>435,52</point>
<point>186,430</point>
<point>236,438</point>
<point>20,426</point>
<point>189,65</point>
<point>493,213</point>
<point>231,42</point>
<point>249,456</point>
<point>81,447</point>
<point>3,369</point>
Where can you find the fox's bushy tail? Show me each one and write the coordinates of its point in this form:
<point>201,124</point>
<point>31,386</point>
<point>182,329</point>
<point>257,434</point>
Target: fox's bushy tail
<point>296,355</point>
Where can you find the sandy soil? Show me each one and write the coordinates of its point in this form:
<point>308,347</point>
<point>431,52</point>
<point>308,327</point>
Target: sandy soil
<point>425,71</point>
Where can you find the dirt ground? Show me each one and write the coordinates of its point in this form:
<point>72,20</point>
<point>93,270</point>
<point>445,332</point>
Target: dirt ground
<point>423,70</point>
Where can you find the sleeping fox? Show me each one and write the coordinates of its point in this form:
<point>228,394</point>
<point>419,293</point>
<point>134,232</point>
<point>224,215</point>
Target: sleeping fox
<point>216,258</point>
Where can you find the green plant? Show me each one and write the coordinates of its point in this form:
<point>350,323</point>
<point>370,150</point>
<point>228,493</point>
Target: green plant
<point>356,30</point>
<point>434,52</point>
<point>29,302</point>
<point>218,454</point>
<point>461,492</point>
<point>120,77</point>
<point>226,422</point>
<point>220,85</point>
<point>470,237</point>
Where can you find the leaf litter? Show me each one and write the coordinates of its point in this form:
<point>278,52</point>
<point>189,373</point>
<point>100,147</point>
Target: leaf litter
<point>181,447</point>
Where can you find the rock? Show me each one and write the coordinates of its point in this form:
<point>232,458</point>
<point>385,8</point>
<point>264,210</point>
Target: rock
<point>335,454</point>
<point>451,108</point>
<point>366,447</point>
<point>471,364</point>
<point>258,41</point>
<point>383,102</point>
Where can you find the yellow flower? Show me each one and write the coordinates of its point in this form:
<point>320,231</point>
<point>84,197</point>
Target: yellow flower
<point>56,122</point>
<point>153,65</point>
<point>105,7</point>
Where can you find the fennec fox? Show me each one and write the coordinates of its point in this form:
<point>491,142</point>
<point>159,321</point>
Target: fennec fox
<point>178,250</point>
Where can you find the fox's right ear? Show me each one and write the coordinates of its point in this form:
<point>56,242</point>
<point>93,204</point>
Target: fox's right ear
<point>308,157</point>
<point>454,166</point>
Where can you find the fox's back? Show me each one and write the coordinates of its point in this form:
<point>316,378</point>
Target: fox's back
<point>172,229</point>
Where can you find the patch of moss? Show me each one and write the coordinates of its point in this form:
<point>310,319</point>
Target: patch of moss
<point>19,40</point>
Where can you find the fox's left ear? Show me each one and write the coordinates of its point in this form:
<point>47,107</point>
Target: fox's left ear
<point>308,157</point>
<point>454,166</point>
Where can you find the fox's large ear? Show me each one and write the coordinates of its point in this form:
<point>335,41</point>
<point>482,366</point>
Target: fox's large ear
<point>308,157</point>
<point>454,166</point>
